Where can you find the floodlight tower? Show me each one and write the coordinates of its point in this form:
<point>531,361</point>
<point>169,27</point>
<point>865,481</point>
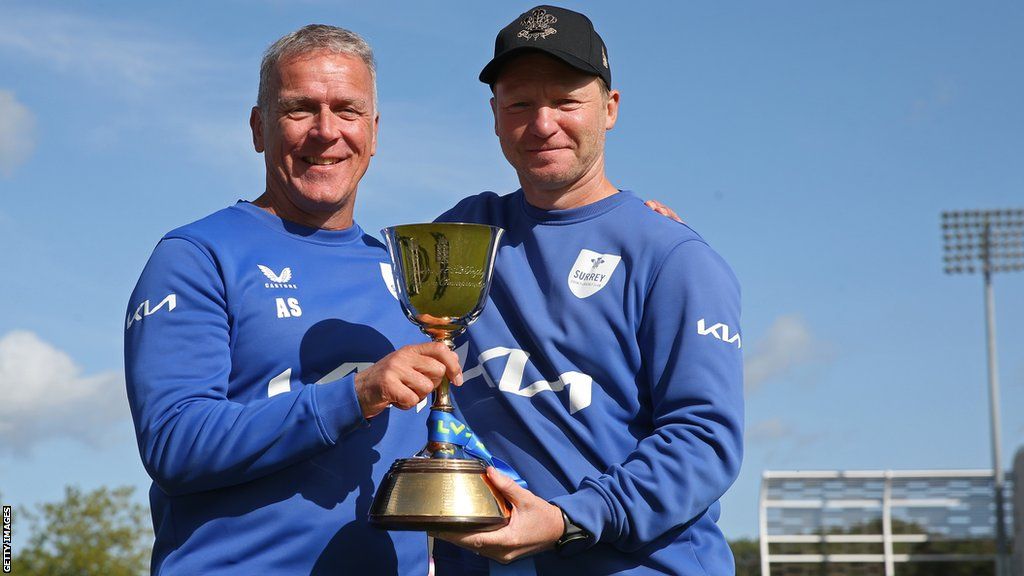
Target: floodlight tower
<point>988,241</point>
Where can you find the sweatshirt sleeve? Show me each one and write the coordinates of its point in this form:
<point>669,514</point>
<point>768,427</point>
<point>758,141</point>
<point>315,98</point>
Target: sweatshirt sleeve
<point>691,350</point>
<point>191,436</point>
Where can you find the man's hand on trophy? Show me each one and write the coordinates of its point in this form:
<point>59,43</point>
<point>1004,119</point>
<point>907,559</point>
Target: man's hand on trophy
<point>405,377</point>
<point>535,525</point>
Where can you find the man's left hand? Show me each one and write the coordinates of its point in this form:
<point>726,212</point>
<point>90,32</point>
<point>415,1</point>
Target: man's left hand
<point>535,525</point>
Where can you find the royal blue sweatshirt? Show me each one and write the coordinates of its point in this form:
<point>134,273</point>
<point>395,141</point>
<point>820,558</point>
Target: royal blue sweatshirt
<point>606,369</point>
<point>242,339</point>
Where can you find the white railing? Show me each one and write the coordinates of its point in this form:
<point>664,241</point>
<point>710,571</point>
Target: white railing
<point>955,512</point>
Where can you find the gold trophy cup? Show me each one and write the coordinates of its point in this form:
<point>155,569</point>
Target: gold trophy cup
<point>442,275</point>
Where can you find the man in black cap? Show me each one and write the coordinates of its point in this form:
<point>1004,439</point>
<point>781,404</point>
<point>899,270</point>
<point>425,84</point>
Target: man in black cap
<point>606,367</point>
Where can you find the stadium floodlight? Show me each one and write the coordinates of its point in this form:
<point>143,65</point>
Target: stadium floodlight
<point>988,241</point>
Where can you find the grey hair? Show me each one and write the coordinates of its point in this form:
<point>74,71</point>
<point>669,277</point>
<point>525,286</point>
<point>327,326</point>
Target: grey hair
<point>313,38</point>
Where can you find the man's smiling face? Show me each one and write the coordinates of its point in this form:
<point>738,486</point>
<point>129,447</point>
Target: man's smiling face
<point>551,121</point>
<point>317,135</point>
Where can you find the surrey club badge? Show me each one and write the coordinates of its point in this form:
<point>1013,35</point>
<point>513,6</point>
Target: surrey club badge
<point>591,272</point>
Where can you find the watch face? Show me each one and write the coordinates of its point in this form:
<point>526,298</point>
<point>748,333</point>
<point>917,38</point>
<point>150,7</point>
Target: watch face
<point>574,538</point>
<point>572,543</point>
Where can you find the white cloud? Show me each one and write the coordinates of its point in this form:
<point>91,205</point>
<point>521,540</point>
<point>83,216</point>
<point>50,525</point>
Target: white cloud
<point>785,350</point>
<point>778,443</point>
<point>17,133</point>
<point>119,55</point>
<point>941,97</point>
<point>45,395</point>
<point>769,430</point>
<point>144,68</point>
<point>776,431</point>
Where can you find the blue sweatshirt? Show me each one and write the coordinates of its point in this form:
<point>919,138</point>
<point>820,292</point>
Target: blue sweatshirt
<point>242,339</point>
<point>607,370</point>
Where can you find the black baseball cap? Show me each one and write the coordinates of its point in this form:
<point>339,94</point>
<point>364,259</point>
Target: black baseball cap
<point>564,34</point>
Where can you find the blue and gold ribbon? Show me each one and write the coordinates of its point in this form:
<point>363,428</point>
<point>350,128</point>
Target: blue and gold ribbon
<point>445,427</point>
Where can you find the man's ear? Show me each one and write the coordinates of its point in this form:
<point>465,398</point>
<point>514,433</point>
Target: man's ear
<point>256,124</point>
<point>611,109</point>
<point>494,112</point>
<point>376,129</point>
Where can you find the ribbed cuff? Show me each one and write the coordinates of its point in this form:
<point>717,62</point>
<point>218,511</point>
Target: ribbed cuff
<point>587,508</point>
<point>337,408</point>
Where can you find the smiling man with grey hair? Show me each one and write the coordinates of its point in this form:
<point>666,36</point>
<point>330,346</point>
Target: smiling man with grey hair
<point>264,351</point>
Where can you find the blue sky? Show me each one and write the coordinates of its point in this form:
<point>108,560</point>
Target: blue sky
<point>814,144</point>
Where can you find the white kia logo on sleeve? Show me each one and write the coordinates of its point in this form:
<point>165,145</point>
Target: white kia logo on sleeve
<point>591,272</point>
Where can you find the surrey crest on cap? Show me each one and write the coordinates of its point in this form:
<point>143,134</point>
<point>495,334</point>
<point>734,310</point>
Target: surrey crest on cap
<point>537,24</point>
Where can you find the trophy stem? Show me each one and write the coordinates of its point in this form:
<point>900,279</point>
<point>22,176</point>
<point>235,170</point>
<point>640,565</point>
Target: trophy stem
<point>442,397</point>
<point>443,402</point>
<point>442,394</point>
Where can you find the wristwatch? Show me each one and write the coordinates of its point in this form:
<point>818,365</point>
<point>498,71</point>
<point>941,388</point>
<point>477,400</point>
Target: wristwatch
<point>574,538</point>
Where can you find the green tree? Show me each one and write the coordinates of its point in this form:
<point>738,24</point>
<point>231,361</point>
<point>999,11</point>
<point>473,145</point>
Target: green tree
<point>748,556</point>
<point>103,532</point>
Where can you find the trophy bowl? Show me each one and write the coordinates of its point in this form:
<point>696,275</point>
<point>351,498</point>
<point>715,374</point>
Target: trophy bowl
<point>442,275</point>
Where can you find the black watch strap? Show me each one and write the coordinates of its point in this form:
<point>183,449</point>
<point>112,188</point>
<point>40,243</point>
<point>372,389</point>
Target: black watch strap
<point>574,538</point>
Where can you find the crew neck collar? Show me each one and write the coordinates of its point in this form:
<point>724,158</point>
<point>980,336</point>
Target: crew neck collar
<point>300,231</point>
<point>572,215</point>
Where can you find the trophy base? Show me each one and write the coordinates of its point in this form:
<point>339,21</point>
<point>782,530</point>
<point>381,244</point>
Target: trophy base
<point>438,495</point>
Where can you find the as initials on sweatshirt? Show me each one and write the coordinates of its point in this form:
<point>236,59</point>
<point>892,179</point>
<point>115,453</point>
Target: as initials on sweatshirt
<point>288,308</point>
<point>580,385</point>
